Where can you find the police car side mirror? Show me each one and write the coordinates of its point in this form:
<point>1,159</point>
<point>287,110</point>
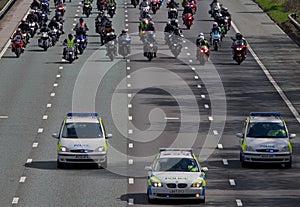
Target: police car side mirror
<point>239,135</point>
<point>292,136</point>
<point>108,136</point>
<point>55,135</point>
<point>148,168</point>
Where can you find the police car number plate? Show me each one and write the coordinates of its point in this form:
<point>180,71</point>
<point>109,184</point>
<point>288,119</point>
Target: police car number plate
<point>82,156</point>
<point>176,191</point>
<point>267,155</point>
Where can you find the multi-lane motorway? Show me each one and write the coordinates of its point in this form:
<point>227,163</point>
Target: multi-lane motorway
<point>147,105</point>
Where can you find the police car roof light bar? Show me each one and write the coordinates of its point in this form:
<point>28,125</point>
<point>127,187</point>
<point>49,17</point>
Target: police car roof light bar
<point>276,114</point>
<point>82,114</point>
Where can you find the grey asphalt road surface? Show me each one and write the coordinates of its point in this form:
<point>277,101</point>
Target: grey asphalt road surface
<point>162,103</point>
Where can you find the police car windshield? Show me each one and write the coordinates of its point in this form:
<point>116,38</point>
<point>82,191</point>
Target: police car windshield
<point>266,130</point>
<point>82,130</point>
<point>176,164</point>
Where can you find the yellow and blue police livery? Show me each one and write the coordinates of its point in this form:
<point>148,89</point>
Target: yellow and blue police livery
<point>175,173</point>
<point>265,139</point>
<point>82,139</point>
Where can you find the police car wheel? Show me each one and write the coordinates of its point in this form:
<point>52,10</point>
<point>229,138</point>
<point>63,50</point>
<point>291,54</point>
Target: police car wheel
<point>60,165</point>
<point>202,200</point>
<point>244,164</point>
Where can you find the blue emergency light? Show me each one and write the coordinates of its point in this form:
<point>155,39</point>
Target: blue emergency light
<point>276,114</point>
<point>82,114</point>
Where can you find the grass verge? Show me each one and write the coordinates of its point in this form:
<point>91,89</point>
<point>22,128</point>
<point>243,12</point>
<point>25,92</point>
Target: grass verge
<point>2,3</point>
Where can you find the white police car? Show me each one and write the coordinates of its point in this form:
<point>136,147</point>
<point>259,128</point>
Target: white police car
<point>82,139</point>
<point>176,174</point>
<point>265,139</point>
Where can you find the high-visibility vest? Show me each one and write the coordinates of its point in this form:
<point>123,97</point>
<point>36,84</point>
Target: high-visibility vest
<point>70,42</point>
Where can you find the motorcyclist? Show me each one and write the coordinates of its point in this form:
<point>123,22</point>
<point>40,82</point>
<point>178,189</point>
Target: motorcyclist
<point>35,4</point>
<point>32,17</point>
<point>239,36</point>
<point>143,25</point>
<point>106,30</point>
<point>201,41</point>
<point>44,28</point>
<point>24,26</point>
<point>70,41</point>
<point>176,28</point>
<point>172,4</point>
<point>225,13</point>
<point>215,7</point>
<point>214,29</point>
<point>145,15</point>
<point>19,32</point>
<point>81,27</point>
<point>187,10</point>
<point>144,3</point>
<point>53,23</point>
<point>124,36</point>
<point>150,38</point>
<point>111,36</point>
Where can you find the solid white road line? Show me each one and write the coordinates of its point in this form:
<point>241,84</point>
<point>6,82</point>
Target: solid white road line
<point>272,80</point>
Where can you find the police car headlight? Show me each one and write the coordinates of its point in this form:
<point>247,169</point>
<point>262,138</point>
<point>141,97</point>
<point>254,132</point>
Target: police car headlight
<point>155,182</point>
<point>100,149</point>
<point>196,185</point>
<point>285,149</point>
<point>249,148</point>
<point>63,149</point>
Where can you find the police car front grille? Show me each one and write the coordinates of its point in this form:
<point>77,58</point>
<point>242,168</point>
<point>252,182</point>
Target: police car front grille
<point>171,185</point>
<point>182,185</point>
<point>267,150</point>
<point>81,151</point>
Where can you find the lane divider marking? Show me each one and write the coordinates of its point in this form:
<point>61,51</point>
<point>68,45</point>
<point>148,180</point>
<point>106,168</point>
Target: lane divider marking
<point>130,118</point>
<point>198,86</point>
<point>35,145</point>
<point>171,118</point>
<point>238,202</point>
<point>130,161</point>
<point>22,179</point>
<point>225,162</point>
<point>220,146</point>
<point>202,96</point>
<point>29,160</point>
<point>210,118</point>
<point>49,105</point>
<point>215,132</point>
<point>3,117</point>
<point>40,130</point>
<point>232,182</point>
<point>52,94</point>
<point>15,200</point>
<point>131,180</point>
<point>130,131</point>
<point>130,106</point>
<point>45,117</point>
<point>130,145</point>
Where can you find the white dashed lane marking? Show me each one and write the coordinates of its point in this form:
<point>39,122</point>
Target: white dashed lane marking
<point>35,145</point>
<point>60,67</point>
<point>210,118</point>
<point>202,96</point>
<point>131,180</point>
<point>130,106</point>
<point>215,132</point>
<point>206,106</point>
<point>171,118</point>
<point>131,201</point>
<point>130,131</point>
<point>193,68</point>
<point>3,117</point>
<point>55,84</point>
<point>29,160</point>
<point>130,118</point>
<point>58,76</point>
<point>238,202</point>
<point>52,94</point>
<point>40,130</point>
<point>128,68</point>
<point>45,117</point>
<point>225,162</point>
<point>196,77</point>
<point>130,161</point>
<point>130,145</point>
<point>232,182</point>
<point>15,200</point>
<point>22,179</point>
<point>198,86</point>
<point>129,95</point>
<point>128,76</point>
<point>220,146</point>
<point>128,85</point>
<point>49,105</point>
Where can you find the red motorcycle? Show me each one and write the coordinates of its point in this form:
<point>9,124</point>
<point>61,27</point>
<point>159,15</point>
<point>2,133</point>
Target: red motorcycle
<point>239,51</point>
<point>188,20</point>
<point>203,54</point>
<point>60,7</point>
<point>17,45</point>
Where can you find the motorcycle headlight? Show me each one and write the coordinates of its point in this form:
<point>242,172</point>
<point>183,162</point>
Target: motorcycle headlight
<point>151,45</point>
<point>63,149</point>
<point>239,48</point>
<point>100,149</point>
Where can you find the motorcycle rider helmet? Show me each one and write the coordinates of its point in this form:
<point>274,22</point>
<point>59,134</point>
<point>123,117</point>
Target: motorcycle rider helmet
<point>44,25</point>
<point>201,35</point>
<point>18,31</point>
<point>100,13</point>
<point>215,25</point>
<point>54,19</point>
<point>81,20</point>
<point>70,36</point>
<point>124,31</point>
<point>238,36</point>
<point>23,21</point>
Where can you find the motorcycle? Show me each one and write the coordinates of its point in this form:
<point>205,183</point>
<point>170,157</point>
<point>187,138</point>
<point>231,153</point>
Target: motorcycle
<point>239,51</point>
<point>154,6</point>
<point>110,49</point>
<point>203,54</point>
<point>188,20</point>
<point>33,28</point>
<point>87,9</point>
<point>149,50</point>
<point>216,40</point>
<point>124,46</point>
<point>17,45</point>
<point>70,54</point>
<point>172,13</point>
<point>53,34</point>
<point>101,5</point>
<point>111,10</point>
<point>43,18</point>
<point>81,42</point>
<point>60,8</point>
<point>175,45</point>
<point>44,41</point>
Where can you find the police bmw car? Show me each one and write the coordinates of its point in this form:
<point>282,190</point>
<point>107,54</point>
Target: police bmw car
<point>176,174</point>
<point>265,139</point>
<point>82,139</point>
